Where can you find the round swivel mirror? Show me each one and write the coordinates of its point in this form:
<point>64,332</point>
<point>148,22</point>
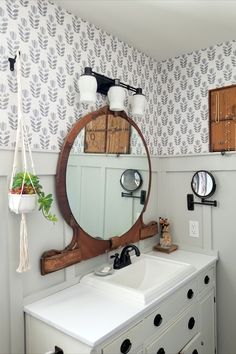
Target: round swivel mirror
<point>203,184</point>
<point>131,180</point>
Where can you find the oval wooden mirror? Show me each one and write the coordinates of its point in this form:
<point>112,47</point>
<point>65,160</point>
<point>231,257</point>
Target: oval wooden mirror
<point>85,243</point>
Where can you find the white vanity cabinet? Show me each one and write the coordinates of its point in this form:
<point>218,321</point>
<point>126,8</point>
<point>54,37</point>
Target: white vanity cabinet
<point>205,341</point>
<point>182,321</point>
<point>176,335</point>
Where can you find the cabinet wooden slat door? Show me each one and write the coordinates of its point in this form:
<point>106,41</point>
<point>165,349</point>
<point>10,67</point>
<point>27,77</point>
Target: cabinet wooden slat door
<point>95,135</point>
<point>222,114</point>
<point>118,134</point>
<point>107,134</point>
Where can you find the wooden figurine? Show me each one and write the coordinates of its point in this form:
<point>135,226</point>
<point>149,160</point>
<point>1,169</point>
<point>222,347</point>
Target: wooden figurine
<point>165,238</point>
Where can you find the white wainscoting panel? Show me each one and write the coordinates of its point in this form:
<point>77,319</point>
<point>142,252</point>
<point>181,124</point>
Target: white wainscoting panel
<point>217,226</point>
<point>19,289</point>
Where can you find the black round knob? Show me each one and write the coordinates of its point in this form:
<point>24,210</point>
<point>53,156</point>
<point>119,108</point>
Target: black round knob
<point>190,294</point>
<point>157,320</point>
<point>58,350</point>
<point>195,351</point>
<point>206,279</point>
<point>161,351</point>
<point>191,323</point>
<point>125,346</point>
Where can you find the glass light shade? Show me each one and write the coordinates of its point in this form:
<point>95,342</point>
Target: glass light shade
<point>138,104</point>
<point>87,87</point>
<point>116,96</point>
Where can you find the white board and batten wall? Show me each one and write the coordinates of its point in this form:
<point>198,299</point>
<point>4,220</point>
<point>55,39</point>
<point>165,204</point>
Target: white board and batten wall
<point>217,225</point>
<point>19,289</point>
<point>171,180</point>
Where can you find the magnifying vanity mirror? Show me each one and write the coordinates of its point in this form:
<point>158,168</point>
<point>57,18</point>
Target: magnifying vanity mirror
<point>89,187</point>
<point>131,180</point>
<point>203,184</point>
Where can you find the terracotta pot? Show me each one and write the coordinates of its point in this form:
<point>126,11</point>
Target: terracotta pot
<point>22,203</point>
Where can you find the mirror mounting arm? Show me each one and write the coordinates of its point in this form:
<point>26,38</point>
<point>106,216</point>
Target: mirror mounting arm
<point>191,202</point>
<point>208,202</point>
<point>142,196</point>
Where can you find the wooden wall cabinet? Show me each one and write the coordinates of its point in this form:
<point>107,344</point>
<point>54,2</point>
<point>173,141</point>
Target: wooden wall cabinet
<point>107,135</point>
<point>222,109</point>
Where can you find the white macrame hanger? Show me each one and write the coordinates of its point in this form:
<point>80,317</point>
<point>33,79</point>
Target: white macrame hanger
<point>21,135</point>
<point>21,132</point>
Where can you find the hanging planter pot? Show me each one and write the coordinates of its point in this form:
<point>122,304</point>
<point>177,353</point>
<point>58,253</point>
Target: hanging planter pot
<point>22,203</point>
<point>25,192</point>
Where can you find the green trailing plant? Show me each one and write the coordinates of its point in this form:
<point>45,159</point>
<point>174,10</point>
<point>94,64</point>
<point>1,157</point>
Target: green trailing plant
<point>29,185</point>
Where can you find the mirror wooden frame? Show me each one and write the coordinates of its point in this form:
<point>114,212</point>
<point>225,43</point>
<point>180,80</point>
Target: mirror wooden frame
<point>83,246</point>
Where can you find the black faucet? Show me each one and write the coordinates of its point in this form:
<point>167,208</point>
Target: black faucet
<point>124,259</point>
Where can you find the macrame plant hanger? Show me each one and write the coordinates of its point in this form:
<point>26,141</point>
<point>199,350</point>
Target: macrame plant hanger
<point>23,141</point>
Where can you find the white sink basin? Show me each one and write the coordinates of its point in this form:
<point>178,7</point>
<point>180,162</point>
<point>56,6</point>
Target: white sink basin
<point>144,280</point>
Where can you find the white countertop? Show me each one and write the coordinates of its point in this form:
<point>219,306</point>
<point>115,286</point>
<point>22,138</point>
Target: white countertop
<point>198,260</point>
<point>91,315</point>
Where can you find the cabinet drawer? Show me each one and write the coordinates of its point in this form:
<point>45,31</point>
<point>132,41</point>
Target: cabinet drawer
<point>194,346</point>
<point>168,309</point>
<point>128,342</point>
<point>175,337</point>
<point>206,279</point>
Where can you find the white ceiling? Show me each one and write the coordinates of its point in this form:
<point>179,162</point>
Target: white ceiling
<point>161,28</point>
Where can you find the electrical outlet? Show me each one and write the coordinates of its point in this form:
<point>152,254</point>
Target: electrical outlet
<point>193,228</point>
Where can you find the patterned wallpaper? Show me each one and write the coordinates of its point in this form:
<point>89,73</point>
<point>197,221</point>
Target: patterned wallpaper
<point>182,87</point>
<point>55,47</point>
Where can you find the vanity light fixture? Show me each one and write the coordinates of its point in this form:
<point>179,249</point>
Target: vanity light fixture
<point>116,97</point>
<point>87,86</point>
<point>139,102</point>
<point>112,88</point>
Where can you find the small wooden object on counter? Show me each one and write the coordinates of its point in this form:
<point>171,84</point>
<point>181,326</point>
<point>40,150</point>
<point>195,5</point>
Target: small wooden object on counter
<point>165,244</point>
<point>165,249</point>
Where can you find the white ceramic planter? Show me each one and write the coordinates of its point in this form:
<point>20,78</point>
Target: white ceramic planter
<point>24,203</point>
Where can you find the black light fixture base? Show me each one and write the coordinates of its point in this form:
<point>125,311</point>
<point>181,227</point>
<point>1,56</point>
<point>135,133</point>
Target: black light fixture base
<point>104,82</point>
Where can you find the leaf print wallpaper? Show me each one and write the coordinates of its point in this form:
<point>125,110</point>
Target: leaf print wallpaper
<point>56,46</point>
<point>182,103</point>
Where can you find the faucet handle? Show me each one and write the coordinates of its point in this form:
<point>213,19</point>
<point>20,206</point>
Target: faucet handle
<point>116,263</point>
<point>116,255</point>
